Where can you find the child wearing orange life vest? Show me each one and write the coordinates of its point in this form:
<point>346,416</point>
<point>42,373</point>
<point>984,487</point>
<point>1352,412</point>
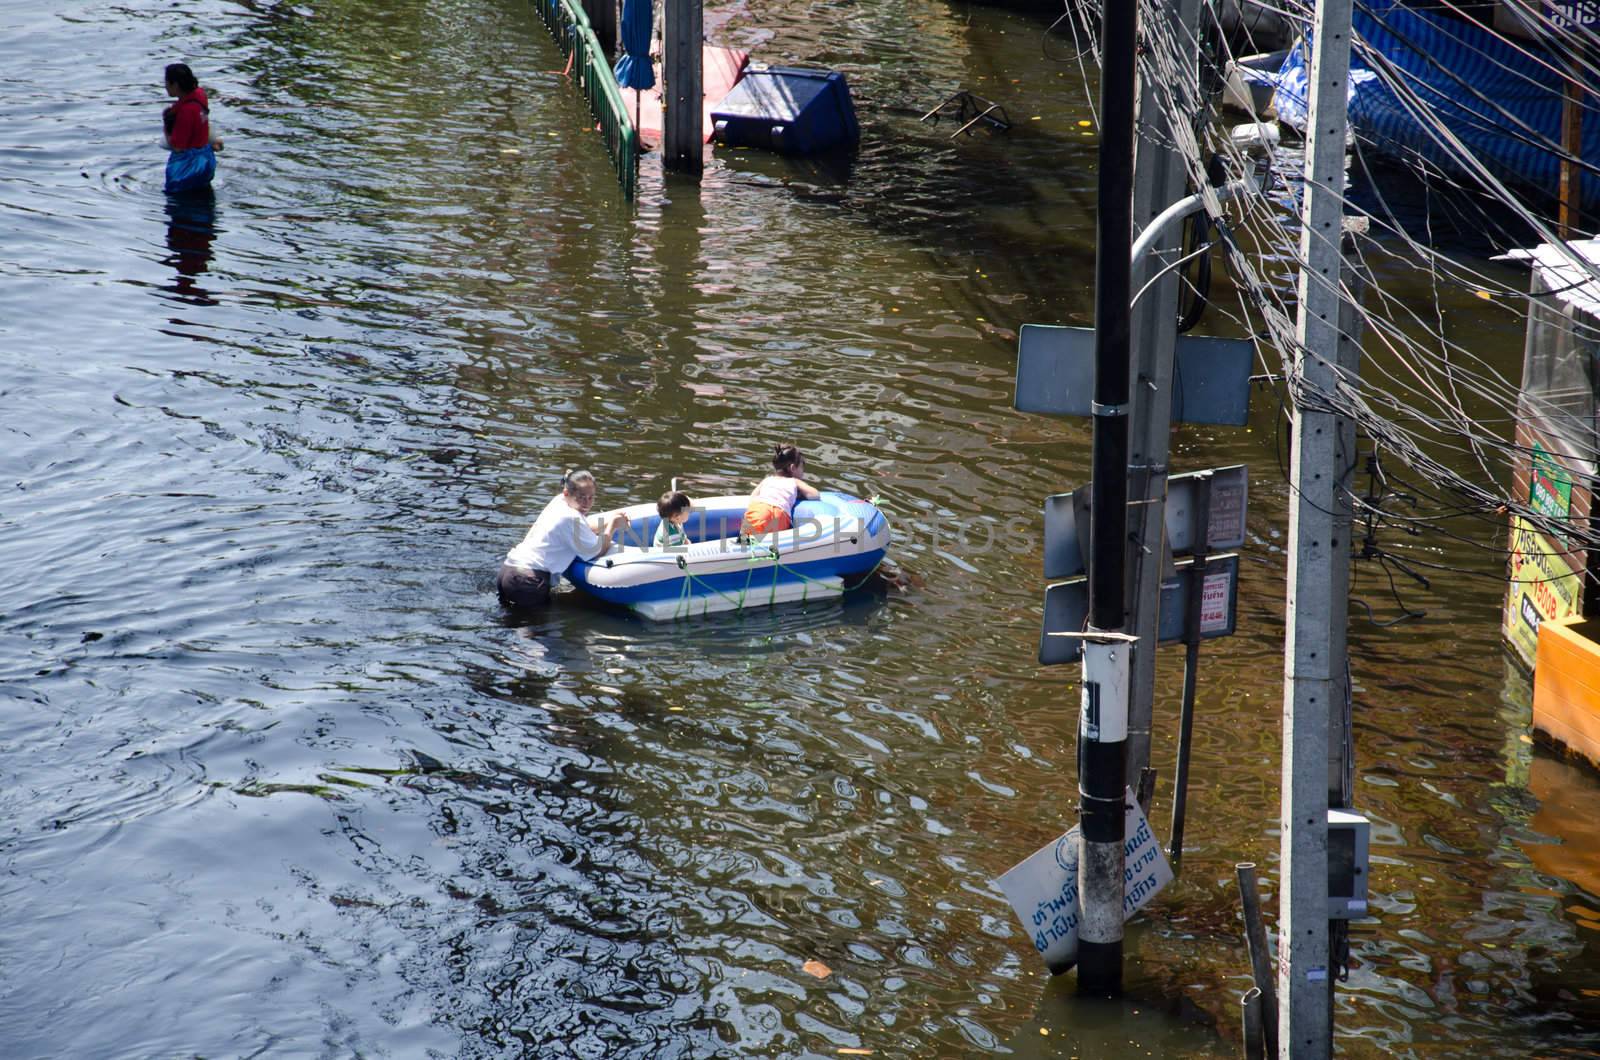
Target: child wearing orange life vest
<point>773,499</point>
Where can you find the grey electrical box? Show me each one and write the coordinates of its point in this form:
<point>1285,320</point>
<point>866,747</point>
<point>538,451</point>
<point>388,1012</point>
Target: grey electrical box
<point>1349,835</point>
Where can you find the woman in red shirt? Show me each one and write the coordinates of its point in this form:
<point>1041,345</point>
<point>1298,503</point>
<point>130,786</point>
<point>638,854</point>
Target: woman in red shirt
<point>187,127</point>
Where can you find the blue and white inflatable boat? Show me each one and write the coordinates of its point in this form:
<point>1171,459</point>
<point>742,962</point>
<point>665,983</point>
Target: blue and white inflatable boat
<point>836,542</point>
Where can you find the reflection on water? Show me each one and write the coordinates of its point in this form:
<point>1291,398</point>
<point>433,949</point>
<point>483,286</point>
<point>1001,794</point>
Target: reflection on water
<point>281,774</point>
<point>1569,815</point>
<point>191,226</point>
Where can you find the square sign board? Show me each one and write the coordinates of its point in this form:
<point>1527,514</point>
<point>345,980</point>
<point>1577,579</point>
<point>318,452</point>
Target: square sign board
<point>1230,488</point>
<point>1043,890</point>
<point>1211,376</point>
<point>1066,608</point>
<point>1066,524</point>
<point>1066,519</point>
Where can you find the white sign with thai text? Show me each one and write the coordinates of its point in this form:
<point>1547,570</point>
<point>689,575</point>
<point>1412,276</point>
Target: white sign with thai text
<point>1214,602</point>
<point>1043,890</point>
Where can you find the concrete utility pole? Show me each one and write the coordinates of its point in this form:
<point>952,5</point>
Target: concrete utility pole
<point>1304,1000</point>
<point>1159,180</point>
<point>1341,728</point>
<point>1341,737</point>
<point>1103,711</point>
<point>684,138</point>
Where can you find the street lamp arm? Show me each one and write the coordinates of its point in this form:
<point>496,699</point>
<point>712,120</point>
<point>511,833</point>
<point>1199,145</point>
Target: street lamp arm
<point>1175,213</point>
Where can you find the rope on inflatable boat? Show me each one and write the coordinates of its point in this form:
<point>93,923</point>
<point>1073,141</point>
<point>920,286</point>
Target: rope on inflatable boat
<point>686,597</point>
<point>757,554</point>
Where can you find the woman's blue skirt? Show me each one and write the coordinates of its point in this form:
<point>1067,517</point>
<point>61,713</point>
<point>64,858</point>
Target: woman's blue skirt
<point>190,169</point>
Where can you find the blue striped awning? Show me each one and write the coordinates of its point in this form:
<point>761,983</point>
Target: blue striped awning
<point>1413,71</point>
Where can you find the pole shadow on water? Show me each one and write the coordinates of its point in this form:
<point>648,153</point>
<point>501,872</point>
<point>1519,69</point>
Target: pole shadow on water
<point>1150,1019</point>
<point>825,175</point>
<point>577,635</point>
<point>577,643</point>
<point>575,620</point>
<point>191,227</point>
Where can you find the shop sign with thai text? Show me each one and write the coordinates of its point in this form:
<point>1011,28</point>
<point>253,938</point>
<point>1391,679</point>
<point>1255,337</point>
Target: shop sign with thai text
<point>1549,486</point>
<point>1541,586</point>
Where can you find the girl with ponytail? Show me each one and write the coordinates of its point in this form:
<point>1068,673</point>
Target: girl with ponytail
<point>772,501</point>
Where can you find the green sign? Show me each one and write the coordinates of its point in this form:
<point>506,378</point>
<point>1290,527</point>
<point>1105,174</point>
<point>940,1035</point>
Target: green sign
<point>1549,486</point>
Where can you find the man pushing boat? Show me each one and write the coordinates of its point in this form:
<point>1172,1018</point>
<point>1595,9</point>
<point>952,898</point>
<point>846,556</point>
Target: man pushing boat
<point>562,533</point>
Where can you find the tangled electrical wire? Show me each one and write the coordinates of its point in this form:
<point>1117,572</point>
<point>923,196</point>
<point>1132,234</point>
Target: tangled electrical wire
<point>1424,396</point>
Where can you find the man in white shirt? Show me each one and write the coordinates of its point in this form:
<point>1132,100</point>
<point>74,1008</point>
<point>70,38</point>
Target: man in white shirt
<point>562,533</point>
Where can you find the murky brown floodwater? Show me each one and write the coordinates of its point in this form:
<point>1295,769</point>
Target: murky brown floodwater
<point>280,779</point>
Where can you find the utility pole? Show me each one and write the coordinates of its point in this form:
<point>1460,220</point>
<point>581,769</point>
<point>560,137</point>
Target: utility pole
<point>683,138</point>
<point>1103,712</point>
<point>1304,965</point>
<point>1341,737</point>
<point>1159,179</point>
<point>1341,727</point>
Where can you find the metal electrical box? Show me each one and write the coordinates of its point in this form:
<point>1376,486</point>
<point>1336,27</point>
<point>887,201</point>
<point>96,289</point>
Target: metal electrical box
<point>1348,837</point>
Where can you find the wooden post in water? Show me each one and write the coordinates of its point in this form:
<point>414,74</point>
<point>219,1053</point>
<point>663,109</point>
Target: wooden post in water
<point>1571,208</point>
<point>683,139</point>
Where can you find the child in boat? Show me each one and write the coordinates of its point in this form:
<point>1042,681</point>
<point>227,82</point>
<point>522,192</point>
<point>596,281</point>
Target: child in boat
<point>772,501</point>
<point>673,507</point>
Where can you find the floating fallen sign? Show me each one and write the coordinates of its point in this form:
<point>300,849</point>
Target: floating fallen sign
<point>1211,376</point>
<point>1066,608</point>
<point>1043,890</point>
<point>1066,519</point>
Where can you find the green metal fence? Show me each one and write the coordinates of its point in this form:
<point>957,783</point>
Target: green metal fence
<point>569,25</point>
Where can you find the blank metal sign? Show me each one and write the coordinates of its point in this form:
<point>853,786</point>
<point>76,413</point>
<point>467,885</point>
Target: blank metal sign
<point>1211,376</point>
<point>1066,519</point>
<point>1066,608</point>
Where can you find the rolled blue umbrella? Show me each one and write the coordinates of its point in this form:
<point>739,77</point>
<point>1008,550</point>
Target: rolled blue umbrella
<point>634,69</point>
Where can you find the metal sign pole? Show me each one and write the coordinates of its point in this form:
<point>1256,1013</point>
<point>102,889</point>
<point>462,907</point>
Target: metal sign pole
<point>1103,713</point>
<point>1191,662</point>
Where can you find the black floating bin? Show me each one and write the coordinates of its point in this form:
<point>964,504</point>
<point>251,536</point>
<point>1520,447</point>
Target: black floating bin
<point>787,109</point>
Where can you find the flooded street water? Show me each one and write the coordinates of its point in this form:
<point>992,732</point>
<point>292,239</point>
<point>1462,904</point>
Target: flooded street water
<point>280,777</point>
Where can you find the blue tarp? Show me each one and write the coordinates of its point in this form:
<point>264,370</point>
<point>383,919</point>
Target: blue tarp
<point>190,169</point>
<point>1500,98</point>
<point>634,69</point>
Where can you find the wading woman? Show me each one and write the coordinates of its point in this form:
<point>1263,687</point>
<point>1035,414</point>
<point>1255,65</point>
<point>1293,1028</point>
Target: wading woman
<point>562,533</point>
<point>186,127</point>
